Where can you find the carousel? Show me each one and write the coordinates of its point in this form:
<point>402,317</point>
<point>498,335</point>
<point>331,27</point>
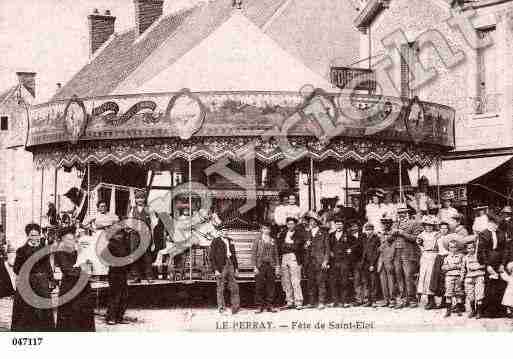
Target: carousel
<point>219,161</point>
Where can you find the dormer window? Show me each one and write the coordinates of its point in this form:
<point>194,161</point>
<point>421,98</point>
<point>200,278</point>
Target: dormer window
<point>4,123</point>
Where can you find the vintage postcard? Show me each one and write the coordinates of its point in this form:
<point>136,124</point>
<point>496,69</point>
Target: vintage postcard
<point>278,166</point>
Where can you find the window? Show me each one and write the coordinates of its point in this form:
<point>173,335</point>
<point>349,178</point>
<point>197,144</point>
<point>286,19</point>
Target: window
<point>4,123</point>
<point>487,98</point>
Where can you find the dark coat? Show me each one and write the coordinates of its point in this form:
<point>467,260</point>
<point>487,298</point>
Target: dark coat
<point>299,238</point>
<point>486,255</point>
<point>6,288</point>
<point>26,318</point>
<point>317,248</point>
<point>370,250</point>
<point>507,227</point>
<point>77,315</point>
<point>218,257</point>
<point>339,250</point>
<point>508,252</point>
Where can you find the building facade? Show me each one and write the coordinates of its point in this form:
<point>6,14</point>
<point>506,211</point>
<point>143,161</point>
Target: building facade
<point>458,53</point>
<point>15,162</point>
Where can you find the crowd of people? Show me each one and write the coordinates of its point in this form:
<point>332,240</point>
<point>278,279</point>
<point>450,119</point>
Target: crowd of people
<point>393,255</point>
<point>401,254</point>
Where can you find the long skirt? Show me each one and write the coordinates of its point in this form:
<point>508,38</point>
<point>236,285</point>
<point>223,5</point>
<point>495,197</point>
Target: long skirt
<point>6,288</point>
<point>26,318</point>
<point>428,274</point>
<point>76,315</point>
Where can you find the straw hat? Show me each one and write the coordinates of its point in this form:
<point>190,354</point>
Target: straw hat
<point>430,220</point>
<point>507,209</point>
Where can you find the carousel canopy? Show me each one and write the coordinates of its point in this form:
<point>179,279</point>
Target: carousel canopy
<point>213,125</point>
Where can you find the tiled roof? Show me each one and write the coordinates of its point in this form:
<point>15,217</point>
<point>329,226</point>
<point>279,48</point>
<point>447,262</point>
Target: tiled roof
<point>180,32</point>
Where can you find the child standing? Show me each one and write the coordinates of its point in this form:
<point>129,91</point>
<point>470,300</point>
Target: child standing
<point>474,276</point>
<point>453,266</point>
<point>265,261</point>
<point>370,279</point>
<point>507,276</point>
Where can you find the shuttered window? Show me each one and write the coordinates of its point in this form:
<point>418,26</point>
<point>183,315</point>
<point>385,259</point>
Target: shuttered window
<point>4,123</point>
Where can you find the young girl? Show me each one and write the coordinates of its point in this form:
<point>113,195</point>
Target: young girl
<point>507,276</point>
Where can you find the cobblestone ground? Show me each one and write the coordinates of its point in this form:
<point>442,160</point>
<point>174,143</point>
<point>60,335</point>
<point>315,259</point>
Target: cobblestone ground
<point>208,319</point>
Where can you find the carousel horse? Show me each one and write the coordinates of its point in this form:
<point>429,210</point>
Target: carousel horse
<point>198,231</point>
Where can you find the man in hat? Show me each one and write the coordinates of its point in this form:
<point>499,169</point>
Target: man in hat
<point>341,264</point>
<point>291,248</point>
<point>507,222</point>
<point>316,262</point>
<point>355,236</point>
<point>142,267</point>
<point>448,212</point>
<point>374,210</point>
<point>385,265</point>
<point>490,253</point>
<point>368,265</point>
<point>223,259</point>
<point>481,219</point>
<point>406,257</point>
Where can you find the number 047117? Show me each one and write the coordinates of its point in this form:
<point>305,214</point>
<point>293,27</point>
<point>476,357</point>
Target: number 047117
<point>27,341</point>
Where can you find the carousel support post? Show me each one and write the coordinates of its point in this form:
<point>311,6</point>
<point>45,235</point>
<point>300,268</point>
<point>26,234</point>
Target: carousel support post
<point>347,189</point>
<point>190,215</point>
<point>438,180</point>
<point>88,189</point>
<point>401,192</point>
<point>55,188</point>
<point>42,194</point>
<point>312,186</point>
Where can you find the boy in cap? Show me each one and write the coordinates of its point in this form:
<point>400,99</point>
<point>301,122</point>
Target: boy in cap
<point>453,267</point>
<point>473,275</point>
<point>368,264</point>
<point>385,265</point>
<point>316,262</point>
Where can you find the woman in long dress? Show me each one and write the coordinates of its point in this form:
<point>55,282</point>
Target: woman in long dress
<point>6,288</point>
<point>95,243</point>
<point>428,241</point>
<point>77,315</point>
<point>25,317</point>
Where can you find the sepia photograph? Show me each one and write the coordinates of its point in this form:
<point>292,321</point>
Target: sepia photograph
<point>255,166</point>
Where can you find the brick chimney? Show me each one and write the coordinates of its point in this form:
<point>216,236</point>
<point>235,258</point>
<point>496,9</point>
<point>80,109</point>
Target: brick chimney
<point>28,80</point>
<point>101,27</point>
<point>146,12</point>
